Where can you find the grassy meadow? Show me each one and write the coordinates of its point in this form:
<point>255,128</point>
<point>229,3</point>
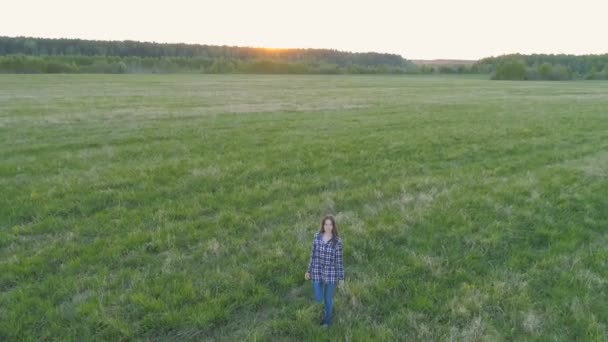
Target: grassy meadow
<point>182,207</point>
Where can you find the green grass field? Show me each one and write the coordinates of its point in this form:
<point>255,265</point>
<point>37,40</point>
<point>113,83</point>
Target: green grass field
<point>182,207</point>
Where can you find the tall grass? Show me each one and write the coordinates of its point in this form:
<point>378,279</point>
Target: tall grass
<point>183,207</point>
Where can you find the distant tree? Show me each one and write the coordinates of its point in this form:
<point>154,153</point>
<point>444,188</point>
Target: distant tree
<point>426,69</point>
<point>383,69</point>
<point>30,47</point>
<point>221,65</point>
<point>560,72</point>
<point>511,69</point>
<point>545,71</point>
<point>605,73</point>
<point>592,74</point>
<point>121,67</point>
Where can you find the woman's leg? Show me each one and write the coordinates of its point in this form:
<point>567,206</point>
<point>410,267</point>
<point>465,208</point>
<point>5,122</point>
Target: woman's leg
<point>317,290</point>
<point>329,300</point>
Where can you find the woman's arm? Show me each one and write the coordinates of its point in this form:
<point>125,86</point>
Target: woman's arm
<point>339,260</point>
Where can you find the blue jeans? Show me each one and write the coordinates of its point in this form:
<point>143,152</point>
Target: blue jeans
<point>325,291</point>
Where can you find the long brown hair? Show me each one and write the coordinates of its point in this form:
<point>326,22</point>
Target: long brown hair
<point>333,223</point>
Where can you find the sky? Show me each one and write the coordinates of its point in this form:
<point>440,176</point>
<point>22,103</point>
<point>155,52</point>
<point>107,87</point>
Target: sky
<point>425,29</point>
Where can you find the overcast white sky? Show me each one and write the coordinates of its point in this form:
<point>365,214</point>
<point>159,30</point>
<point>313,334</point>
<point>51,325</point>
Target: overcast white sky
<point>426,29</point>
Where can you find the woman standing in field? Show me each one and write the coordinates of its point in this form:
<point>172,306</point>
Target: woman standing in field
<point>325,267</point>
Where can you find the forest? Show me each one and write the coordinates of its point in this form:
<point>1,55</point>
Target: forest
<point>546,67</point>
<point>46,55</point>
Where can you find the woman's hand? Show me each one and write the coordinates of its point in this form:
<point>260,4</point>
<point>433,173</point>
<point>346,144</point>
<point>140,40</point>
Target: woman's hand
<point>340,284</point>
<point>307,276</point>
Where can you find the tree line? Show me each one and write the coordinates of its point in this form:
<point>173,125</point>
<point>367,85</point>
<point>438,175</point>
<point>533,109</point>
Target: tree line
<point>42,55</point>
<point>220,65</point>
<point>128,48</point>
<point>25,54</point>
<point>547,67</point>
<point>45,55</point>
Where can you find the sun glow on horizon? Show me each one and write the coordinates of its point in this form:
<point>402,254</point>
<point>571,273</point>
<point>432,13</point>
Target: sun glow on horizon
<point>434,29</point>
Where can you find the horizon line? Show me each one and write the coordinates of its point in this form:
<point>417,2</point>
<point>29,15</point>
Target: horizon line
<point>306,48</point>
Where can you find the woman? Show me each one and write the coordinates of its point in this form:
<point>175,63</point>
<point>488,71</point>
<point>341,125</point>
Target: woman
<point>325,267</point>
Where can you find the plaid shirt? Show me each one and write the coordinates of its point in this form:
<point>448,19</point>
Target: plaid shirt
<point>326,259</point>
